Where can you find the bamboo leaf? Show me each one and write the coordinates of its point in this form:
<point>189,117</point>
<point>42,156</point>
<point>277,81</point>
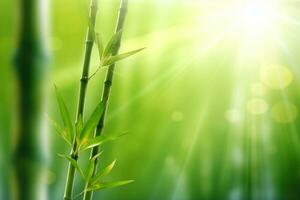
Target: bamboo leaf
<point>91,123</point>
<point>65,116</point>
<point>112,44</point>
<point>90,170</point>
<point>105,185</point>
<point>92,29</point>
<point>99,45</point>
<point>103,173</point>
<point>99,140</point>
<point>74,163</point>
<point>91,167</point>
<point>113,59</point>
<point>79,127</point>
<point>60,131</point>
<point>96,156</point>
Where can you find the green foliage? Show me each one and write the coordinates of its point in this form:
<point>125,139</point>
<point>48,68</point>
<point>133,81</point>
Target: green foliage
<point>92,29</point>
<point>65,115</point>
<point>106,185</point>
<point>103,173</point>
<point>79,128</point>
<point>82,133</point>
<point>113,59</point>
<point>106,54</point>
<point>97,155</point>
<point>94,183</point>
<point>91,124</point>
<point>99,45</point>
<point>85,140</point>
<point>108,57</point>
<point>98,140</point>
<point>74,163</point>
<point>60,131</point>
<point>90,170</point>
<point>113,43</point>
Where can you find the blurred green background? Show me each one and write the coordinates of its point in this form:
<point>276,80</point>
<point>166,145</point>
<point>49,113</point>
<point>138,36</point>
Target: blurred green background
<point>211,106</point>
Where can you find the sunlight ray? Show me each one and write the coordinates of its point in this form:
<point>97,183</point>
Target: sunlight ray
<point>289,19</point>
<point>288,55</point>
<point>195,135</point>
<point>174,72</point>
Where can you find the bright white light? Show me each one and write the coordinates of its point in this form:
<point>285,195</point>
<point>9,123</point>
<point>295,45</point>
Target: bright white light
<point>257,17</point>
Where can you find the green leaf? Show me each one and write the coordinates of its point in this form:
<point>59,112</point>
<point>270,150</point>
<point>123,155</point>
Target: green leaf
<point>90,169</point>
<point>64,112</point>
<point>79,127</point>
<point>60,131</point>
<point>112,44</point>
<point>99,45</point>
<point>92,29</point>
<point>96,156</point>
<point>99,140</point>
<point>91,123</point>
<point>105,185</point>
<point>113,59</point>
<point>73,162</point>
<point>103,173</point>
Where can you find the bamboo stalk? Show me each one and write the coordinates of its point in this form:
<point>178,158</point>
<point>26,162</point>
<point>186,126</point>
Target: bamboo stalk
<point>107,89</point>
<point>30,63</point>
<point>82,94</point>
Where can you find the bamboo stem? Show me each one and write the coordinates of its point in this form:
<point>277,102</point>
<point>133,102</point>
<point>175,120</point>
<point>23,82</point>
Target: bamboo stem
<point>82,94</point>
<point>107,89</point>
<point>30,64</point>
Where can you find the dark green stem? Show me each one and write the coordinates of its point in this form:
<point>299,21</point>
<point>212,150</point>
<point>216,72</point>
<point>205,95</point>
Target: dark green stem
<point>30,62</point>
<point>82,94</point>
<point>106,89</point>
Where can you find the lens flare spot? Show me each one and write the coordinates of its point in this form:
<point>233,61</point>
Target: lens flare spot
<point>257,106</point>
<point>276,76</point>
<point>284,112</point>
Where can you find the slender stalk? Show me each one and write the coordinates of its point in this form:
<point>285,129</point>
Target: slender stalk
<point>107,89</point>
<point>30,64</point>
<point>82,94</point>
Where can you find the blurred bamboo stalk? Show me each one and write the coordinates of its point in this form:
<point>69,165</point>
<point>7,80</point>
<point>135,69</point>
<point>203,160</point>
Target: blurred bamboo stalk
<point>82,94</point>
<point>107,88</point>
<point>30,64</point>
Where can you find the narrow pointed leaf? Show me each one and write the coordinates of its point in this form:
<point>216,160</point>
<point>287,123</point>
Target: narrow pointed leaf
<point>92,29</point>
<point>99,140</point>
<point>99,45</point>
<point>60,131</point>
<point>97,155</point>
<point>106,185</point>
<point>112,44</point>
<point>79,127</point>
<point>103,173</point>
<point>92,122</point>
<point>74,163</point>
<point>90,170</point>
<point>113,59</point>
<point>65,116</point>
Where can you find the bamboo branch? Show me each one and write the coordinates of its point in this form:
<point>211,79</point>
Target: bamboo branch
<point>107,89</point>
<point>82,94</point>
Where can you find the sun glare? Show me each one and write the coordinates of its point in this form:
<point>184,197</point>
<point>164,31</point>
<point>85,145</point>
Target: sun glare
<point>257,17</point>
